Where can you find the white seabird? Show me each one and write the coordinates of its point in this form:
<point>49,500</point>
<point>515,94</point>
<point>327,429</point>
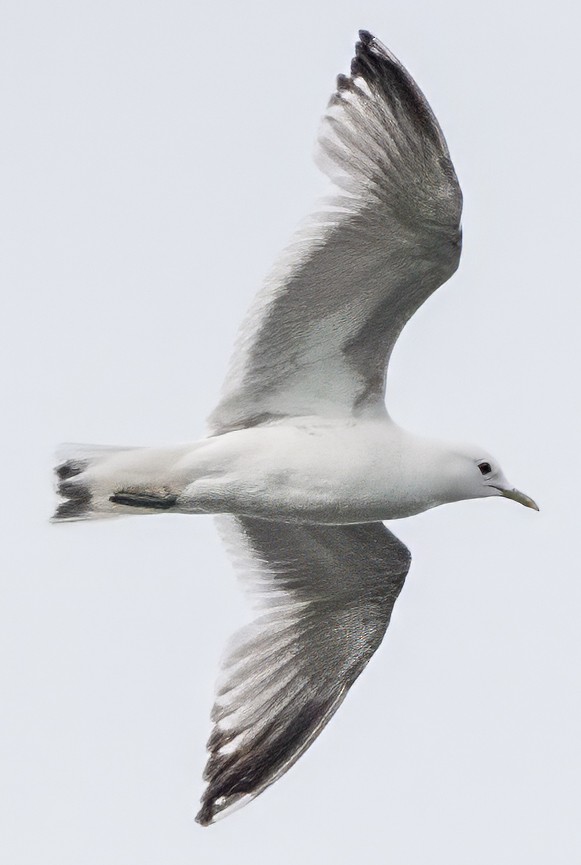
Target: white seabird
<point>302,459</point>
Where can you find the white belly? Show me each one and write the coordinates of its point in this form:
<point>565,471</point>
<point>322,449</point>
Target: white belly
<point>307,472</point>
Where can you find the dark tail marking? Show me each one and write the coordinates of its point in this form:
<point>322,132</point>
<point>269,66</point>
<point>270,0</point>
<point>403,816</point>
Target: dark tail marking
<point>77,496</point>
<point>70,468</point>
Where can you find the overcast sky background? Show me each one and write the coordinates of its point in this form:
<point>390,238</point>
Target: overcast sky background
<point>156,157</point>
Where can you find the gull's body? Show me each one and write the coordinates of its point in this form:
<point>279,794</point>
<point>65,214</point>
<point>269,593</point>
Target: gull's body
<point>302,456</point>
<point>307,470</point>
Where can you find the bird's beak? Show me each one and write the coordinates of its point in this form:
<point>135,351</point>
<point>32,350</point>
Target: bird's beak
<point>517,496</point>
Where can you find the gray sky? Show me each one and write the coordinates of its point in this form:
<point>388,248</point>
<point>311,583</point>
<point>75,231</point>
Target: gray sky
<point>157,157</point>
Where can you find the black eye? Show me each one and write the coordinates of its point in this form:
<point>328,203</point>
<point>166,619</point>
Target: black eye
<point>485,468</point>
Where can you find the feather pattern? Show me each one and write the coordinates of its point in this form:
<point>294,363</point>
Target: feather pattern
<point>319,336</point>
<point>326,594</point>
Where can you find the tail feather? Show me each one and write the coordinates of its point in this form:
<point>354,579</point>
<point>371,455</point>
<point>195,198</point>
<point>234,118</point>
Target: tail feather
<point>77,502</point>
<point>98,482</point>
<point>75,484</point>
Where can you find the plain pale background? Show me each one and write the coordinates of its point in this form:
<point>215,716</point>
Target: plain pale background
<point>156,157</point>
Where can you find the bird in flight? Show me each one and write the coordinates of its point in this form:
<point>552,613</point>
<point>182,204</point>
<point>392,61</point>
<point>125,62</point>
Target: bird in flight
<point>302,461</point>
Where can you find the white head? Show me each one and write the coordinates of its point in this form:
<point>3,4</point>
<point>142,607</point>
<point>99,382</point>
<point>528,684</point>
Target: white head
<point>473,474</point>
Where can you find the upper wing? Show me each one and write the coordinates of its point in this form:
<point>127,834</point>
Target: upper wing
<point>319,336</point>
<point>329,592</point>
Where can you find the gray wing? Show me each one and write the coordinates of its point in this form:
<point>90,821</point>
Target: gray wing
<point>328,593</point>
<point>320,334</point>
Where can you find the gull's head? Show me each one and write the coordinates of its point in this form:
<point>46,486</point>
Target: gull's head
<point>475,474</point>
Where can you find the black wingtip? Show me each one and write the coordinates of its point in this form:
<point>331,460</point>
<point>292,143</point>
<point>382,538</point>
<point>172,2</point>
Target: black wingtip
<point>364,63</point>
<point>366,37</point>
<point>205,815</point>
<point>356,68</point>
<point>215,807</point>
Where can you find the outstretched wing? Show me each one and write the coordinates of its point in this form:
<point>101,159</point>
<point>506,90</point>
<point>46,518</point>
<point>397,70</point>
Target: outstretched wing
<point>320,334</point>
<point>328,593</point>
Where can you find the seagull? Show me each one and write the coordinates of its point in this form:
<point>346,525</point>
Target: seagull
<point>302,462</point>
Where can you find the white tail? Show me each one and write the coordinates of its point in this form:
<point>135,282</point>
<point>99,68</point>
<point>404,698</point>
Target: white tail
<point>98,481</point>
